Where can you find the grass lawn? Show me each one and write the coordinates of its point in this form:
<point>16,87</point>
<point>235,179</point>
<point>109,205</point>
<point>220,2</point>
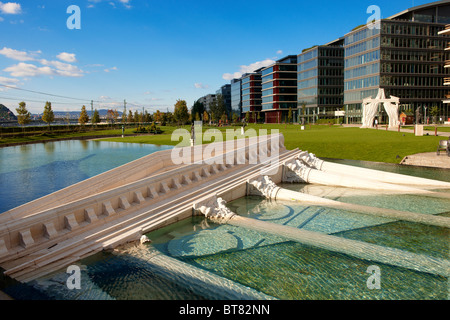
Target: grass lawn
<point>328,142</point>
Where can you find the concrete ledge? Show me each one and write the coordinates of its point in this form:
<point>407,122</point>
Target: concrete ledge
<point>430,159</point>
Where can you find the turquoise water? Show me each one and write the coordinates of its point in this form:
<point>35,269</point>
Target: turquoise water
<point>28,172</point>
<point>269,264</point>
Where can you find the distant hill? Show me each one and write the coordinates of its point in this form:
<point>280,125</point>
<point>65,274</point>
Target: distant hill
<point>6,114</point>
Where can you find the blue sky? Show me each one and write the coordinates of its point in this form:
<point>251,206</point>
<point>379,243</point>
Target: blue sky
<point>152,53</point>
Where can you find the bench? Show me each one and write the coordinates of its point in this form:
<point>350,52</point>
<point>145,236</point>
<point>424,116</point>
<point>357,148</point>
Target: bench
<point>444,145</point>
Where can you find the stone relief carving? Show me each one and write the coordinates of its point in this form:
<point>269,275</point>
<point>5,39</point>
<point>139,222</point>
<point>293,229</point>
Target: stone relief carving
<point>215,209</point>
<point>310,160</point>
<point>263,186</point>
<point>296,172</point>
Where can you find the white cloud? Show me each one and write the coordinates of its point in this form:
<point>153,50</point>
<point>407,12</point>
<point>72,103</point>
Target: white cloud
<point>248,69</point>
<point>18,55</point>
<point>111,69</point>
<point>10,8</point>
<point>201,86</point>
<point>63,69</point>
<point>1,19</point>
<point>9,81</point>
<point>28,70</point>
<point>279,52</point>
<point>67,57</point>
<point>125,3</point>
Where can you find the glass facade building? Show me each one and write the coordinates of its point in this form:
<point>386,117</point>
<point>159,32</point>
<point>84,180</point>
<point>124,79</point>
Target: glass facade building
<point>251,93</point>
<point>236,97</point>
<point>320,81</point>
<point>279,89</point>
<point>404,55</point>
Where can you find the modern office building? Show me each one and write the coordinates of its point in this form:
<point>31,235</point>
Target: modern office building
<point>279,90</point>
<point>207,100</point>
<point>236,98</point>
<point>404,55</point>
<point>446,80</point>
<point>225,92</point>
<point>251,94</point>
<point>320,83</point>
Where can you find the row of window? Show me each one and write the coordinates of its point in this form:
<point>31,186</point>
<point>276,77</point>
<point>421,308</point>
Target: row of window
<point>322,81</point>
<point>362,59</point>
<point>409,29</point>
<point>411,81</point>
<point>362,71</point>
<point>362,46</point>
<point>362,83</point>
<point>414,43</point>
<point>338,92</point>
<point>269,92</point>
<point>360,95</point>
<point>361,35</point>
<point>403,55</point>
<point>413,68</point>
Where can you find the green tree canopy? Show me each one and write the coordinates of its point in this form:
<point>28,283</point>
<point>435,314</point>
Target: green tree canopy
<point>84,118</point>
<point>181,113</point>
<point>217,108</point>
<point>48,116</point>
<point>96,117</point>
<point>23,115</point>
<point>198,107</point>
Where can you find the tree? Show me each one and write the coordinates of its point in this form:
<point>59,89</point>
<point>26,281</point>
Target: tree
<point>205,116</point>
<point>130,118</point>
<point>247,116</point>
<point>217,107</point>
<point>157,116</point>
<point>23,115</point>
<point>136,117</point>
<point>84,118</point>
<point>290,115</point>
<point>235,118</point>
<point>181,113</point>
<point>96,117</point>
<point>48,115</point>
<point>198,107</point>
<point>197,117</point>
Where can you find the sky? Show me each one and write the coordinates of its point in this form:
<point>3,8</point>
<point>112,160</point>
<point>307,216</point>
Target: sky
<point>152,53</point>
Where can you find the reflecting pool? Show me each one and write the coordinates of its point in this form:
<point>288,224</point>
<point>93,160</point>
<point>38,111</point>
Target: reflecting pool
<point>185,258</point>
<point>28,172</point>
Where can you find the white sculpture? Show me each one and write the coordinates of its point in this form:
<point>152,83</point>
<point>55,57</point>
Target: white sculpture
<point>310,160</point>
<point>297,172</point>
<point>262,186</point>
<point>370,107</point>
<point>215,209</point>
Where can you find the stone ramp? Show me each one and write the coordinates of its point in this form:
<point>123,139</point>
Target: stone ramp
<point>430,159</point>
<point>36,245</point>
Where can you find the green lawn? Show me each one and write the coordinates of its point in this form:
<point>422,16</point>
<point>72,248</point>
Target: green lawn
<point>329,142</point>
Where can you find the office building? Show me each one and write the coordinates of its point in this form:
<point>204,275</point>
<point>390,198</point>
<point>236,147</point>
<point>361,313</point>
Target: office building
<point>251,94</point>
<point>404,55</point>
<point>279,90</point>
<point>321,82</point>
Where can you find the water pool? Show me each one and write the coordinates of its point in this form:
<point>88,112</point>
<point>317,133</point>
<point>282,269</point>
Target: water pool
<point>28,172</point>
<point>269,264</point>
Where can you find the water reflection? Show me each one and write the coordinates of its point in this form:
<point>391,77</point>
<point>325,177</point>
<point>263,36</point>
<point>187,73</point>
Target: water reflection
<point>28,172</point>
